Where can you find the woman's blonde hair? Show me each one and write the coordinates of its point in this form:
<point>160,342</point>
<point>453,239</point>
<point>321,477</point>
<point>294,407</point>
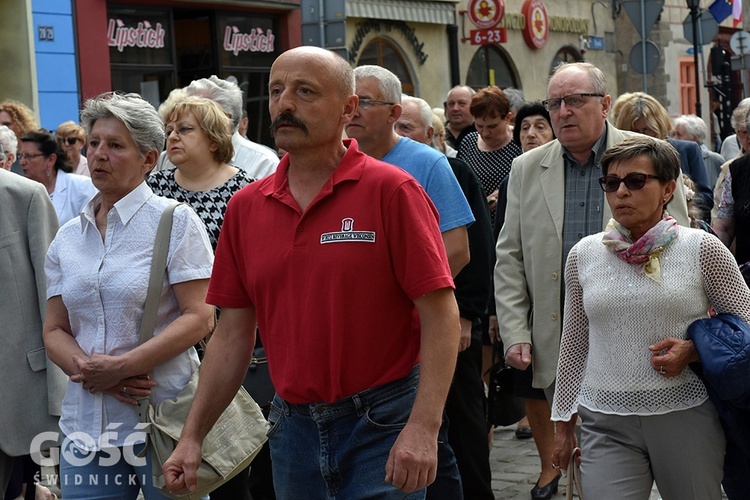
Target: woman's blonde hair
<point>629,108</point>
<point>212,120</point>
<point>70,128</point>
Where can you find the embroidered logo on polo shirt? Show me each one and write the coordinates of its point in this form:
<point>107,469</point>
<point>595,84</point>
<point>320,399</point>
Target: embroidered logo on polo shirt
<point>347,233</point>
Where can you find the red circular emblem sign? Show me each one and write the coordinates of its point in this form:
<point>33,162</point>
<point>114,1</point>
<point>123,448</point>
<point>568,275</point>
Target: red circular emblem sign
<point>486,13</point>
<point>537,23</point>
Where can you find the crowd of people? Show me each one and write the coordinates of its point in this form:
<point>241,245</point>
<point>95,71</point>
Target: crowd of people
<point>376,254</point>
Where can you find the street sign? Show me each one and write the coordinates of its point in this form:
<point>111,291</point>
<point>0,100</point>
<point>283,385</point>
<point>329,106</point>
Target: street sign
<point>488,37</point>
<point>486,14</point>
<point>653,56</point>
<point>707,25</point>
<point>740,42</point>
<point>651,11</point>
<point>740,62</point>
<point>596,43</point>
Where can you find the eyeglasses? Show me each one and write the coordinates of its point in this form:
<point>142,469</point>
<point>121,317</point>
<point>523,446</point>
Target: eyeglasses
<point>368,103</point>
<point>27,156</point>
<point>69,140</point>
<point>633,181</point>
<point>571,101</point>
<point>179,131</point>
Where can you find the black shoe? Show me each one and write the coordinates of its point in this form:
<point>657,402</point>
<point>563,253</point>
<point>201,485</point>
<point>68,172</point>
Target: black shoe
<point>545,493</point>
<point>523,432</point>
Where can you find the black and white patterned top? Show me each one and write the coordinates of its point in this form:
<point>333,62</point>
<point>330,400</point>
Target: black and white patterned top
<point>490,166</point>
<point>209,205</point>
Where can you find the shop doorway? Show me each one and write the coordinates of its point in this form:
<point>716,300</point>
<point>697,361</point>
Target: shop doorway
<point>491,65</point>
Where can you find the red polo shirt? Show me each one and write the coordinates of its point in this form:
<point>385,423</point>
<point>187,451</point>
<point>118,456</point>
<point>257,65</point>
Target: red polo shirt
<point>333,287</point>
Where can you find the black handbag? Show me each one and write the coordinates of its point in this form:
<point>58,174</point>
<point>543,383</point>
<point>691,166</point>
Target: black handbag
<point>503,406</point>
<point>258,380</point>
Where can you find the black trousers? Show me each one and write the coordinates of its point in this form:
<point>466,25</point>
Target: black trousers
<point>467,413</point>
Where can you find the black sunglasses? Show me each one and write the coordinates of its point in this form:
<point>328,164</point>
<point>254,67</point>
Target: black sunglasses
<point>633,181</point>
<point>70,140</point>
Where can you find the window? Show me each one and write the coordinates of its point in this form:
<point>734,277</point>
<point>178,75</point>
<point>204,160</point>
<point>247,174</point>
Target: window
<point>385,53</point>
<point>687,85</point>
<point>565,55</point>
<point>492,66</point>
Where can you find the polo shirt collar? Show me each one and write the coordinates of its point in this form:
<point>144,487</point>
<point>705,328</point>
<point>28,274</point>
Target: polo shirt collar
<point>349,168</point>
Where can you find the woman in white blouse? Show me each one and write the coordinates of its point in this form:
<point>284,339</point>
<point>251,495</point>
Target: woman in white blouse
<point>43,160</point>
<point>97,279</point>
<point>631,292</point>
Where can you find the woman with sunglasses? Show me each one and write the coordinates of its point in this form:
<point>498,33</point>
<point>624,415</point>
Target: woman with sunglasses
<point>43,160</point>
<point>631,292</point>
<point>72,138</point>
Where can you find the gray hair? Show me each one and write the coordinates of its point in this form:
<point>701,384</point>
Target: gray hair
<point>464,87</point>
<point>596,76</point>
<point>516,98</point>
<point>8,140</point>
<point>138,115</point>
<point>739,115</point>
<point>225,93</point>
<point>425,112</point>
<point>694,127</point>
<point>388,83</point>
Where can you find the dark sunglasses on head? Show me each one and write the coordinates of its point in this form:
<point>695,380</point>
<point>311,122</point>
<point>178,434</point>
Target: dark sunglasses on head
<point>633,181</point>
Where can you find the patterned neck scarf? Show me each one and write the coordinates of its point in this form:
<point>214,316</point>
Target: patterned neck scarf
<point>646,251</point>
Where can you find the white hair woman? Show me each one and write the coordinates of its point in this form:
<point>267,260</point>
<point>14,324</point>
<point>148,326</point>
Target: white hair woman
<point>97,278</point>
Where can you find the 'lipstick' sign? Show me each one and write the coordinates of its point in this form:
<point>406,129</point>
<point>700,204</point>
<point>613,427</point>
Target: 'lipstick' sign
<point>143,35</point>
<point>256,41</point>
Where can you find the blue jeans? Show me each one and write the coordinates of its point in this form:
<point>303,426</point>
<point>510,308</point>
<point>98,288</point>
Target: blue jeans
<point>102,475</point>
<point>339,450</point>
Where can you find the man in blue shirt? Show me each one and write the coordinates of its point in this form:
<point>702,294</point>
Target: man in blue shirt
<point>379,93</point>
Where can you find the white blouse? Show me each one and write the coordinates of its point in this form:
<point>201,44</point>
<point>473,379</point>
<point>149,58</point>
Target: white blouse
<point>103,285</point>
<point>613,313</point>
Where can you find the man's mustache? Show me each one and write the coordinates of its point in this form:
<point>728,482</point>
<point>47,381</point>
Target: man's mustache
<point>288,119</point>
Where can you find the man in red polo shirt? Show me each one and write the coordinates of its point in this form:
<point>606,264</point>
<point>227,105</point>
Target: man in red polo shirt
<point>339,259</point>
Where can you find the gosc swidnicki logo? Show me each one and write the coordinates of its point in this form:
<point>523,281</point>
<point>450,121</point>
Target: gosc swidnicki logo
<point>79,448</point>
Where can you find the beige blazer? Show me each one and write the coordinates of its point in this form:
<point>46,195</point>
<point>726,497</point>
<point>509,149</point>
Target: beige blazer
<point>32,386</point>
<point>529,269</point>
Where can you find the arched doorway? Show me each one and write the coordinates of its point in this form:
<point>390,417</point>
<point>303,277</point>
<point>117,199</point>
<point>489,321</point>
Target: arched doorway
<point>565,55</point>
<point>383,52</point>
<point>491,65</point>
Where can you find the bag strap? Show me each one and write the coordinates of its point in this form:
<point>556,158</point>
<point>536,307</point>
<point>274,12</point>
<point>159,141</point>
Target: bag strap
<point>158,270</point>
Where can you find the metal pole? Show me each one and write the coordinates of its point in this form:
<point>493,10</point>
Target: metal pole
<point>643,44</point>
<point>694,14</point>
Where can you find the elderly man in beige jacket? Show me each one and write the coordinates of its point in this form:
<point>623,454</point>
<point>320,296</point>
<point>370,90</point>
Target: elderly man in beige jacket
<point>33,387</point>
<point>554,200</point>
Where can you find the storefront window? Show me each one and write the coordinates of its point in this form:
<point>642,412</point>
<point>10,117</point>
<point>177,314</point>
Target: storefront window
<point>139,36</point>
<point>194,47</point>
<point>247,42</point>
<point>254,87</point>
<point>141,52</point>
<point>491,66</point>
<point>383,52</point>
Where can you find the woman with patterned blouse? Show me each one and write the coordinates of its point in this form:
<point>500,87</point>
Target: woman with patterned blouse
<point>199,143</point>
<point>491,149</point>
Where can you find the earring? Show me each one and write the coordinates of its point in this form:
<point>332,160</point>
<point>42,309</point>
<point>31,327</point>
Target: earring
<point>48,173</point>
